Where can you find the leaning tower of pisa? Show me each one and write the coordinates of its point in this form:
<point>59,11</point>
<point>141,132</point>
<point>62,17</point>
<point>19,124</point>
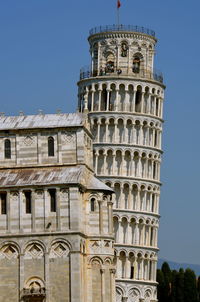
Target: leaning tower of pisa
<point>123,95</point>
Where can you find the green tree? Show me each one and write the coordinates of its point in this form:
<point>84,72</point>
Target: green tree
<point>190,286</point>
<point>174,274</point>
<point>198,288</point>
<point>161,285</point>
<point>179,286</point>
<point>166,295</point>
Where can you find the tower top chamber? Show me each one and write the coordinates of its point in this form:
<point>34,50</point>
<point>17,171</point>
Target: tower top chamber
<point>122,51</point>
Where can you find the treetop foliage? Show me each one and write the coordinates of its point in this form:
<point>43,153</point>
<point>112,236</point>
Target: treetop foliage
<point>177,286</point>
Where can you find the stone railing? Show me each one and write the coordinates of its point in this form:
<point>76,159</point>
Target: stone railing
<point>156,75</point>
<point>121,28</point>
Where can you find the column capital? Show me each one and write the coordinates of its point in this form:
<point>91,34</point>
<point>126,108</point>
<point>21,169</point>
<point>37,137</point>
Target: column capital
<point>96,152</point>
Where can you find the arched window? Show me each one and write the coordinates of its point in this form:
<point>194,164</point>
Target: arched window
<point>92,204</point>
<point>110,65</point>
<point>124,49</point>
<point>132,272</point>
<point>136,65</point>
<point>50,146</point>
<point>138,99</point>
<point>7,148</point>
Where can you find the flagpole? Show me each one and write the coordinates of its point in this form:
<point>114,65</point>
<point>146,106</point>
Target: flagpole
<point>118,7</point>
<point>118,17</point>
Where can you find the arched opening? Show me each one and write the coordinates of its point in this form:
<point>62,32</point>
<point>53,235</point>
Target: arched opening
<point>129,127</point>
<point>92,204</point>
<point>154,170</point>
<point>34,291</point>
<point>131,260</point>
<point>111,130</point>
<point>146,99</point>
<point>100,166</point>
<point>136,64</point>
<point>138,99</point>
<point>124,225</point>
<point>102,130</point>
<point>104,98</point>
<point>119,162</point>
<point>126,196</point>
<point>127,160</point>
<point>110,63</point>
<point>133,235</point>
<point>90,98</point>
<point>116,228</point>
<point>131,98</point>
<point>135,197</point>
<point>153,203</point>
<point>122,95</point>
<point>95,59</point>
<point>124,49</point>
<point>117,192</point>
<point>96,98</point>
<point>112,101</point>
<point>157,107</point>
<point>122,262</point>
<point>109,162</point>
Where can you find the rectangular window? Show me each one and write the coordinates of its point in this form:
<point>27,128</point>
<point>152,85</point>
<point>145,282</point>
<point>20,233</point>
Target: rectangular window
<point>28,202</point>
<point>3,203</point>
<point>52,193</point>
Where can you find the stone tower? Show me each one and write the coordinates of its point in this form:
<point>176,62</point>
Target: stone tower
<point>123,95</point>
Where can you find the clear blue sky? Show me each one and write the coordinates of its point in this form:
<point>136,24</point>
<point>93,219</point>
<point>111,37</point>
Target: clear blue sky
<point>43,44</point>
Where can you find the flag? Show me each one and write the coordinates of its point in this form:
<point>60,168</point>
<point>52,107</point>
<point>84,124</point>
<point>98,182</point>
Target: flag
<point>118,3</point>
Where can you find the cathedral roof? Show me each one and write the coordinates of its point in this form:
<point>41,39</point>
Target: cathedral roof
<point>69,175</point>
<point>42,121</point>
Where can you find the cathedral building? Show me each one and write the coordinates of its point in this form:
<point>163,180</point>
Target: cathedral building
<point>123,95</point>
<point>79,192</point>
<point>56,232</point>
